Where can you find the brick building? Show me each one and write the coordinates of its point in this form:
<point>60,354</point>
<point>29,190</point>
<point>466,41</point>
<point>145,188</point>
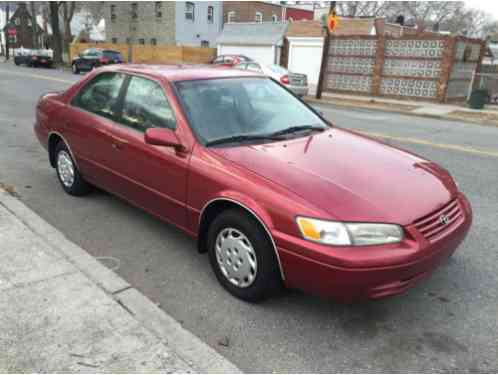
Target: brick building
<point>21,21</point>
<point>260,11</point>
<point>192,23</point>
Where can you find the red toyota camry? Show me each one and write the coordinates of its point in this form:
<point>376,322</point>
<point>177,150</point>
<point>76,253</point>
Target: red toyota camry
<point>272,191</point>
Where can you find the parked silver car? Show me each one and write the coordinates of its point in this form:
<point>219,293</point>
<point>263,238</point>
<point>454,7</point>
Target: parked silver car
<point>297,83</point>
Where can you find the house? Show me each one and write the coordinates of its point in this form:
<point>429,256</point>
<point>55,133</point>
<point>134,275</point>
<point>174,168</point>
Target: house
<point>261,42</point>
<point>262,11</point>
<point>20,29</point>
<point>192,23</point>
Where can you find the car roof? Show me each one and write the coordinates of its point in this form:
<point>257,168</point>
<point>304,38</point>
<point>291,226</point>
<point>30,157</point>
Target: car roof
<point>176,73</point>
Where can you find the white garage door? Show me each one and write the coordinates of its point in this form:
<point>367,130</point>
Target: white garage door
<point>306,57</point>
<point>261,54</point>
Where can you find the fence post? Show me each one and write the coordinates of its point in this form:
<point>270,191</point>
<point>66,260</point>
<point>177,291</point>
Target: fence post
<point>447,62</point>
<point>378,65</point>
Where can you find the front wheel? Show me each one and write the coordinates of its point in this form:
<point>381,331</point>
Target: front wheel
<point>75,69</point>
<point>69,176</point>
<point>242,256</point>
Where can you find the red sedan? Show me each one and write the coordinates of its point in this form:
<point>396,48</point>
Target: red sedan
<point>272,191</point>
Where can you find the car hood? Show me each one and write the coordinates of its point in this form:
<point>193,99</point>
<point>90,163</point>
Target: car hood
<point>349,176</point>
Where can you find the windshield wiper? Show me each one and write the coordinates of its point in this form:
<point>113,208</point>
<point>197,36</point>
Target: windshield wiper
<point>295,129</point>
<point>242,138</point>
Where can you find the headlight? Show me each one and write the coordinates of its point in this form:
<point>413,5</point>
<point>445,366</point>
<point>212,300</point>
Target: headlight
<point>352,234</point>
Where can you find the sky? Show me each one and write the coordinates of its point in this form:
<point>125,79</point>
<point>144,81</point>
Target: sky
<point>490,6</point>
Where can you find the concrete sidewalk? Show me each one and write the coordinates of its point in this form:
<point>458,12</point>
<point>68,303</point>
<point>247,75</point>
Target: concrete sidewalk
<point>486,116</point>
<point>63,311</point>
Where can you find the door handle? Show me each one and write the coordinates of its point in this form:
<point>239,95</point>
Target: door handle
<point>118,143</point>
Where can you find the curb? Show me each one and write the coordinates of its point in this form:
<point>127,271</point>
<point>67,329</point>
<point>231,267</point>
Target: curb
<point>188,346</point>
<point>397,111</point>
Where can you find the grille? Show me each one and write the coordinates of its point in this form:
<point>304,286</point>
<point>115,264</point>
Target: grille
<point>433,227</point>
<point>298,79</point>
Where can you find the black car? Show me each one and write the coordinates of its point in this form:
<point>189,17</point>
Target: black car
<point>23,57</point>
<point>95,57</point>
<point>40,58</point>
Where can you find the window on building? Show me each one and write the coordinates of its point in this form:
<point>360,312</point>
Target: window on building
<point>113,13</point>
<point>114,40</point>
<point>231,17</point>
<point>274,18</point>
<point>153,41</point>
<point>29,23</point>
<point>17,21</point>
<point>205,43</point>
<point>159,9</point>
<point>134,11</point>
<point>259,17</point>
<point>210,17</point>
<point>141,41</point>
<point>190,11</point>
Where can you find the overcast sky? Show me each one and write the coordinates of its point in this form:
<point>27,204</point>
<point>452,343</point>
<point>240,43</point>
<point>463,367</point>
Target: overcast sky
<point>490,6</point>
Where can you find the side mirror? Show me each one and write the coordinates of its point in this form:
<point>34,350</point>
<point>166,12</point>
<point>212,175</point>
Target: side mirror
<point>162,137</point>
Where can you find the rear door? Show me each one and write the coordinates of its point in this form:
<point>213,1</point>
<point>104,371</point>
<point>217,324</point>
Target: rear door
<point>88,126</point>
<point>153,177</point>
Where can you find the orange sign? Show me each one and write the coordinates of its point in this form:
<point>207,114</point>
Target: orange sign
<point>332,22</point>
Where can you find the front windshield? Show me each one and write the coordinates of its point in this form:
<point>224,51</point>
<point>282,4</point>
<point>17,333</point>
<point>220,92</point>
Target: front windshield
<point>230,107</point>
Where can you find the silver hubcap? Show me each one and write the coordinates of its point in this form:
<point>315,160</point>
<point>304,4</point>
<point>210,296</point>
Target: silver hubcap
<point>236,257</point>
<point>66,168</point>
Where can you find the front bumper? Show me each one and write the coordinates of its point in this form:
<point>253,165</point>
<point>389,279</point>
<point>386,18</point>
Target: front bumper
<point>366,272</point>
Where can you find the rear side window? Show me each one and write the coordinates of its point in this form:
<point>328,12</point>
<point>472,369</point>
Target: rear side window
<point>145,106</point>
<point>101,95</point>
<point>112,55</point>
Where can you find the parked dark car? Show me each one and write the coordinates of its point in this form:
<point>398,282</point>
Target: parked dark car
<point>272,191</point>
<point>23,57</point>
<point>94,58</point>
<point>230,60</point>
<point>40,58</point>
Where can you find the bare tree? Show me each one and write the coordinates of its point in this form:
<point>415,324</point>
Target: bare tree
<point>68,9</point>
<point>362,8</point>
<point>56,33</point>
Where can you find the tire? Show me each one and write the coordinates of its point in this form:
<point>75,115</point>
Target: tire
<point>75,69</point>
<point>244,232</point>
<point>68,174</point>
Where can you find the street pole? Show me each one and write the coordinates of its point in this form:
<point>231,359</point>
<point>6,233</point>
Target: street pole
<point>325,54</point>
<point>7,19</point>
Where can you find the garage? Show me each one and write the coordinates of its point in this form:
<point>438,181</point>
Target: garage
<point>261,42</point>
<point>304,46</point>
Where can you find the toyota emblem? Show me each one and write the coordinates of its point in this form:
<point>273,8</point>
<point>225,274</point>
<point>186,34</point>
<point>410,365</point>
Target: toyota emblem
<point>444,219</point>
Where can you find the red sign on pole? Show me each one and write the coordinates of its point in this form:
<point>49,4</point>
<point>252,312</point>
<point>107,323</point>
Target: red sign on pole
<point>12,31</point>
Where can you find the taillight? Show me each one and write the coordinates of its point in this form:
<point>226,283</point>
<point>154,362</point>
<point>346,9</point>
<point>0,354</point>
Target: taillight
<point>284,79</point>
<point>104,60</point>
<point>34,58</point>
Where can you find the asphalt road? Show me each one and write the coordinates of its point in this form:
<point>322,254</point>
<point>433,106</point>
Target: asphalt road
<point>447,323</point>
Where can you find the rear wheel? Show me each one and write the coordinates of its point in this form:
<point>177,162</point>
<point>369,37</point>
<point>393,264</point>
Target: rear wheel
<point>69,176</point>
<point>242,256</point>
<point>75,69</point>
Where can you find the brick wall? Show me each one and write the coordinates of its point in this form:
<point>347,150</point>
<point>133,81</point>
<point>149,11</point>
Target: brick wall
<point>430,67</point>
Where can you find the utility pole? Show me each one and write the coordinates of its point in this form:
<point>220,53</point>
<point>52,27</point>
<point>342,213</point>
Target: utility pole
<point>325,52</point>
<point>7,19</point>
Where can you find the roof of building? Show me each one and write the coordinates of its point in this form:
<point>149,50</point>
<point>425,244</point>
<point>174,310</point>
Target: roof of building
<point>305,29</point>
<point>264,33</point>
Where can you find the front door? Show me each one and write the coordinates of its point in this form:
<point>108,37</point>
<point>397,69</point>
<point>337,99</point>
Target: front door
<point>152,177</point>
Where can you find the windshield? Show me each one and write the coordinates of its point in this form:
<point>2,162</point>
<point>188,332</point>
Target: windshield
<point>231,107</point>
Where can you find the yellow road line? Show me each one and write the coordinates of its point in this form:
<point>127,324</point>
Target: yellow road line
<point>446,146</point>
<point>39,76</point>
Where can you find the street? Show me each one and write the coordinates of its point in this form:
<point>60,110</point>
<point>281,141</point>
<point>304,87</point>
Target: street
<point>446,323</point>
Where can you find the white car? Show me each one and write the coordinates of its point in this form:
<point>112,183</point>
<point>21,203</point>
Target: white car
<point>297,83</point>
